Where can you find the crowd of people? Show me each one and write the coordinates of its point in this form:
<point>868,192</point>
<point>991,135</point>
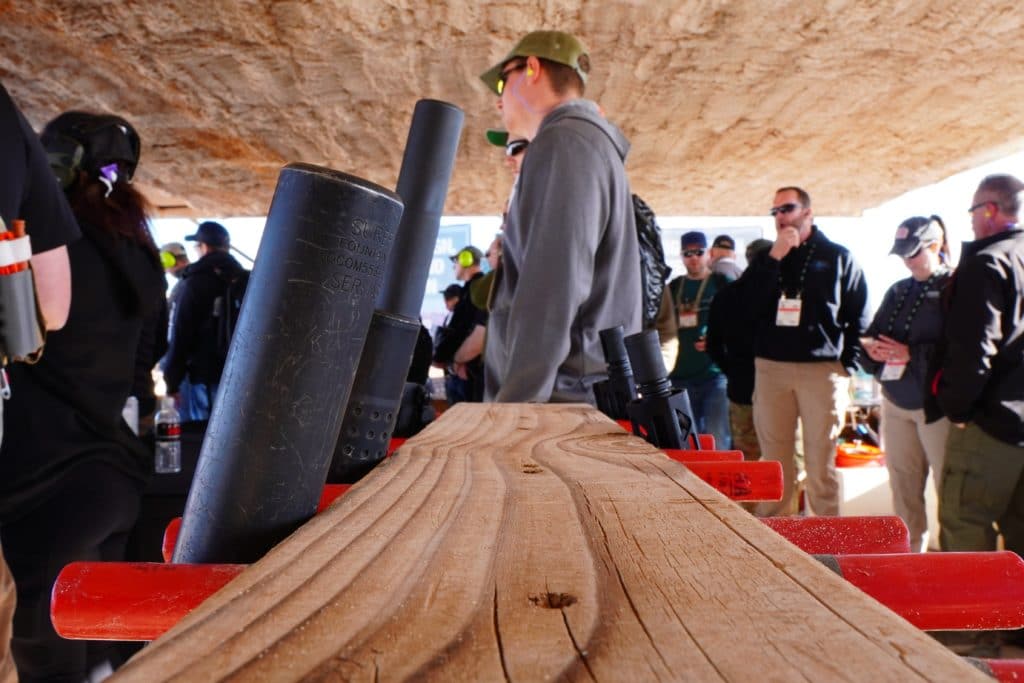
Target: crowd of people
<point>764,353</point>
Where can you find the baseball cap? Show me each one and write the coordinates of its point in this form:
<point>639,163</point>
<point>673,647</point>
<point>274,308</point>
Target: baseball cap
<point>758,247</point>
<point>555,46</point>
<point>452,291</point>
<point>176,249</point>
<point>724,242</point>
<point>467,256</point>
<point>915,232</point>
<point>211,233</point>
<point>694,238</point>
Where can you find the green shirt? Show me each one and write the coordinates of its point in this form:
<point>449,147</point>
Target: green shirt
<point>692,301</point>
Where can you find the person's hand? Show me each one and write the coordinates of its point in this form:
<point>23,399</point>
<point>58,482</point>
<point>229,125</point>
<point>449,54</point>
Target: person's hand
<point>460,370</point>
<point>786,241</point>
<point>872,348</point>
<point>892,350</point>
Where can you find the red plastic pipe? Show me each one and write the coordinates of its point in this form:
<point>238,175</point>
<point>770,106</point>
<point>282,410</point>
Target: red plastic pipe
<point>743,481</point>
<point>706,441</point>
<point>686,457</point>
<point>330,493</point>
<point>131,600</point>
<point>843,535</point>
<point>1004,670</point>
<point>942,591</point>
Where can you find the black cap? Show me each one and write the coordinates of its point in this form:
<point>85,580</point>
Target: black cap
<point>915,232</point>
<point>212,233</point>
<point>724,242</point>
<point>452,292</point>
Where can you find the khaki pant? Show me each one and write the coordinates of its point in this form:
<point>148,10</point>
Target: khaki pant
<point>7,672</point>
<point>982,485</point>
<point>817,394</point>
<point>744,436</point>
<point>911,447</point>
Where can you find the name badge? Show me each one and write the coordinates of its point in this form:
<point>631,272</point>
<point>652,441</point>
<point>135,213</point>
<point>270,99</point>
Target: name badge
<point>688,319</point>
<point>788,314</point>
<point>893,370</point>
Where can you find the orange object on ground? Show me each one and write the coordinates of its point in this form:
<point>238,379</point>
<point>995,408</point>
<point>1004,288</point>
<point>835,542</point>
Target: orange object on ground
<point>858,455</point>
<point>843,535</point>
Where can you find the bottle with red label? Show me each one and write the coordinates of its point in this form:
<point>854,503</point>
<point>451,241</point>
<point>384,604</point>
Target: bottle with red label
<point>167,423</point>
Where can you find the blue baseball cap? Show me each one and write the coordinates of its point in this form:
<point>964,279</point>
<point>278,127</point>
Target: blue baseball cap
<point>694,238</point>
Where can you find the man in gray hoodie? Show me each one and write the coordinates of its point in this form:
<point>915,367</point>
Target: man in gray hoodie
<point>570,258</point>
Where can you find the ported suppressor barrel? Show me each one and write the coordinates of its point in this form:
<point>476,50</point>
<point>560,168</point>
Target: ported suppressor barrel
<point>662,415</point>
<point>423,180</point>
<point>291,364</point>
<point>614,394</point>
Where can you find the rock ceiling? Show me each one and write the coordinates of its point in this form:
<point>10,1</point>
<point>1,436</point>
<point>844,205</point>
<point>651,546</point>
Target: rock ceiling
<point>724,101</point>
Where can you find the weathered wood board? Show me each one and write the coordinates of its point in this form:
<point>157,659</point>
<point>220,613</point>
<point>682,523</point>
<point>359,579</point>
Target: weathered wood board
<point>538,542</point>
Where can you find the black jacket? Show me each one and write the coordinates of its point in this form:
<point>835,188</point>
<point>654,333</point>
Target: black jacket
<point>834,304</point>
<point>730,338</point>
<point>982,377</point>
<point>67,408</point>
<point>465,317</point>
<point>193,347</point>
<point>926,328</point>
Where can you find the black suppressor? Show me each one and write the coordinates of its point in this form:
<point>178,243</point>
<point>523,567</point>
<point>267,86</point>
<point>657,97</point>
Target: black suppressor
<point>662,415</point>
<point>614,394</point>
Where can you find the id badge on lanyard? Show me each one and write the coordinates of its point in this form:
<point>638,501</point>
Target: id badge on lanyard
<point>893,370</point>
<point>788,314</point>
<point>687,318</point>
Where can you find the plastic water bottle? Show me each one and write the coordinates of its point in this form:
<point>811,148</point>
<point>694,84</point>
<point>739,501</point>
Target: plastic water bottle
<point>168,437</point>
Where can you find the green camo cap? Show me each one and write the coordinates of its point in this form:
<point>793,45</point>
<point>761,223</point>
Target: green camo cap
<point>497,137</point>
<point>555,46</point>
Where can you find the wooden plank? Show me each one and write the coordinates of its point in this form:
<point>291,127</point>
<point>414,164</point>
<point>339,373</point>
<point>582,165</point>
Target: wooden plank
<point>530,542</point>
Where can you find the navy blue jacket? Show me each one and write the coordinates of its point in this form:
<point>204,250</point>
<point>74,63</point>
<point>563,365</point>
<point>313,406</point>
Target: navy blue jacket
<point>193,347</point>
<point>982,378</point>
<point>925,332</point>
<point>834,305</point>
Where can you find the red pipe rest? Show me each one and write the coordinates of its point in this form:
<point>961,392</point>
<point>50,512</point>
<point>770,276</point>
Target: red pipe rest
<point>131,600</point>
<point>330,493</point>
<point>843,535</point>
<point>942,591</point>
<point>706,441</point>
<point>686,457</point>
<point>1004,670</point>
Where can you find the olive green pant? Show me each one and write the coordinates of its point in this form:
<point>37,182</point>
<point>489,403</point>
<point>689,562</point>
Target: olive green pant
<point>7,671</point>
<point>981,487</point>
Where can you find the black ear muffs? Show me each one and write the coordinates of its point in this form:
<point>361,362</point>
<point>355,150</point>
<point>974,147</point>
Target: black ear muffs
<point>80,141</point>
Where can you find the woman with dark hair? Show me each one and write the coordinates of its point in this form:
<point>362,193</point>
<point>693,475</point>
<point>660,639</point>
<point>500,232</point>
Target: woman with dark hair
<point>900,343</point>
<point>71,471</point>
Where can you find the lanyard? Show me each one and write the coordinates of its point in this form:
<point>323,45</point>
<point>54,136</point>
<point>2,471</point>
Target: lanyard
<point>914,308</point>
<point>803,272</point>
<point>700,294</point>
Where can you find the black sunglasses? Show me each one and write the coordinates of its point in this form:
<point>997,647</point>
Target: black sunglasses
<point>515,147</point>
<point>785,208</point>
<point>693,252</point>
<point>503,78</point>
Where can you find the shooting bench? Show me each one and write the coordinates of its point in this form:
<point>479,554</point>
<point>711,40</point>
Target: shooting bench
<point>534,542</point>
